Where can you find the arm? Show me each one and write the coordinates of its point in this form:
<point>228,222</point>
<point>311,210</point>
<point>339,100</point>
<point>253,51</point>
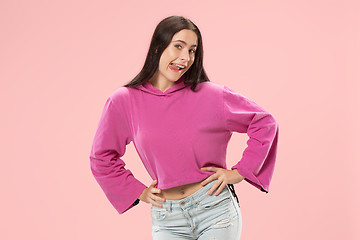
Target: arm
<point>245,116</point>
<point>118,183</point>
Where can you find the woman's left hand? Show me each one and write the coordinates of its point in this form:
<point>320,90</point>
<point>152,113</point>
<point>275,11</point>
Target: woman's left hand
<point>224,177</point>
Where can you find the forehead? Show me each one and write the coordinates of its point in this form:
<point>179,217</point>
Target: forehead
<point>186,35</point>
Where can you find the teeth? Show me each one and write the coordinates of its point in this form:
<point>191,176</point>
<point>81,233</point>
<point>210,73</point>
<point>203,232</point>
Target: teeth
<point>178,65</point>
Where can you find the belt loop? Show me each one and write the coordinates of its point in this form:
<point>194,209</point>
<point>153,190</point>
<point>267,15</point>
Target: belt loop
<point>167,206</point>
<point>193,201</point>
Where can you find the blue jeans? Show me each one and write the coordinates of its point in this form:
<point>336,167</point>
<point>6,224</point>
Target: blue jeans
<point>199,216</point>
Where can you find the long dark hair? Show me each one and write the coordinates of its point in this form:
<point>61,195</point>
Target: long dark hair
<point>161,38</point>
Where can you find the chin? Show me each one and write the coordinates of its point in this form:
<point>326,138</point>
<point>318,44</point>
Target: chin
<point>174,79</point>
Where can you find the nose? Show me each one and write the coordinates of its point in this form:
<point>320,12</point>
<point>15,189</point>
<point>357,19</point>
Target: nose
<point>185,55</point>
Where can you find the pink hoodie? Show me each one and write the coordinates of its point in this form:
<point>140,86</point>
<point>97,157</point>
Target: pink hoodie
<point>176,133</point>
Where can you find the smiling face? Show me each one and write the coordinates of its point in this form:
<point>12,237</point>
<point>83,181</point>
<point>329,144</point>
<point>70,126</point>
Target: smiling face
<point>180,51</point>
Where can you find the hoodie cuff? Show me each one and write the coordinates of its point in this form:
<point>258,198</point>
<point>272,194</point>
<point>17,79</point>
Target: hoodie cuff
<point>136,202</point>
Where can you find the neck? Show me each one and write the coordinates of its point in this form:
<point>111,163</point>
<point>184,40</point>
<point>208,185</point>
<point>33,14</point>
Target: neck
<point>161,84</point>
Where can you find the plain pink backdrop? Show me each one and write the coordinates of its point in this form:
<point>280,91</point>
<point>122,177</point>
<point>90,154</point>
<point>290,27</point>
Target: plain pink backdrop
<point>59,60</point>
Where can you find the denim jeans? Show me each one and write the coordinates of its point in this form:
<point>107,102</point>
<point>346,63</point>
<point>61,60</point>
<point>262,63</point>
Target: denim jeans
<point>198,216</point>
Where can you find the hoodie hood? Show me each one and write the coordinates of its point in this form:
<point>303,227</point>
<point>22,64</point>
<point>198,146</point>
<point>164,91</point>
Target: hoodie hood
<point>149,88</point>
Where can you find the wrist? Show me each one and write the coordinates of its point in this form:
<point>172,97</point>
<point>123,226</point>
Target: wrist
<point>241,176</point>
<point>141,195</point>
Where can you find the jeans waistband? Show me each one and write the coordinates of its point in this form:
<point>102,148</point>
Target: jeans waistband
<point>193,198</point>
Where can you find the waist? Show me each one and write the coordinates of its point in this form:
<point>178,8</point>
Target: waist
<point>194,199</point>
<point>180,192</point>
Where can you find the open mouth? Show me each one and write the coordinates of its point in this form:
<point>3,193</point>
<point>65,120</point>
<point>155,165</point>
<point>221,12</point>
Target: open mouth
<point>176,67</point>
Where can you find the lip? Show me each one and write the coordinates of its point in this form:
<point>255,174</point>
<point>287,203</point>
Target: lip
<point>180,64</point>
<point>176,70</point>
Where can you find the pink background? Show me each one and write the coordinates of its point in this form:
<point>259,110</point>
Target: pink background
<point>60,60</point>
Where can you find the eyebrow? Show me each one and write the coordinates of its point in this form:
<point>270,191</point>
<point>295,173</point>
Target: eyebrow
<point>194,45</point>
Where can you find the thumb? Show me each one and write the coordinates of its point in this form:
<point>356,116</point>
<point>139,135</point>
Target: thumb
<point>153,183</point>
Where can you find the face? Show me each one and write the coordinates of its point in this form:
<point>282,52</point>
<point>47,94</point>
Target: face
<point>181,51</point>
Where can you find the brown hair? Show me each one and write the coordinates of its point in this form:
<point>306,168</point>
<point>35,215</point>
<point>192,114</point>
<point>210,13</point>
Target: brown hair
<point>161,38</point>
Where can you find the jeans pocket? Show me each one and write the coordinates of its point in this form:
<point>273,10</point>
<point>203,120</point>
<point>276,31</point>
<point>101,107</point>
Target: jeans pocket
<point>212,201</point>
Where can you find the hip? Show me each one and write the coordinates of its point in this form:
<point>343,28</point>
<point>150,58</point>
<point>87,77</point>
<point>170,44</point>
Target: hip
<point>198,213</point>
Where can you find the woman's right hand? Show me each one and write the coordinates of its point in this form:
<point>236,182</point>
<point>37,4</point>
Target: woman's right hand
<point>148,195</point>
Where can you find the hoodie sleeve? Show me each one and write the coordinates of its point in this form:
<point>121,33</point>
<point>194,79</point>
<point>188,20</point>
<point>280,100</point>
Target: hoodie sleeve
<point>118,183</point>
<point>245,116</point>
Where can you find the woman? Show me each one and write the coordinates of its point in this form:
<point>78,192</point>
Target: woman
<point>180,124</point>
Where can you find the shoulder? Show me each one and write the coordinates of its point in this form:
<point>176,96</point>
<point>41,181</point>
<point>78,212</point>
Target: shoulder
<point>210,88</point>
<point>120,96</point>
<point>120,92</point>
<point>226,92</point>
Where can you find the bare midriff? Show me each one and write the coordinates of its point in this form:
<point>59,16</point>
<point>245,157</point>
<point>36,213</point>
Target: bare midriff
<point>180,192</point>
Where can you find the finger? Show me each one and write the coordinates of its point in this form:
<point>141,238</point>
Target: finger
<point>207,180</point>
<point>158,198</point>
<point>210,169</point>
<point>223,184</point>
<point>155,190</point>
<point>157,204</point>
<point>153,183</point>
<point>153,202</point>
<point>152,186</point>
<point>216,184</point>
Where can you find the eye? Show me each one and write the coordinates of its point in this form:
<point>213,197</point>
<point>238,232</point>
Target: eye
<point>193,50</point>
<point>177,45</point>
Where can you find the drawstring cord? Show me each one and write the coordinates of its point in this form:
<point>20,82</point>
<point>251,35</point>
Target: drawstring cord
<point>232,189</point>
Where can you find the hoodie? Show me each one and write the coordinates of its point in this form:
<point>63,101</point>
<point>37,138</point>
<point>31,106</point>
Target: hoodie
<point>177,132</point>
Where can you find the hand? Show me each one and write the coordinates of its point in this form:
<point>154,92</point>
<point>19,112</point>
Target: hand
<point>148,195</point>
<point>224,177</point>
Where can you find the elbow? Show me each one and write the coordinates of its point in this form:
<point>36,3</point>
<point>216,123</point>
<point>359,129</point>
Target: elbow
<point>273,118</point>
<point>274,122</point>
<point>99,167</point>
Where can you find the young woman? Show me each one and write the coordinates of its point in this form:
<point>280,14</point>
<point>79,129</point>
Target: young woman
<point>180,124</point>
